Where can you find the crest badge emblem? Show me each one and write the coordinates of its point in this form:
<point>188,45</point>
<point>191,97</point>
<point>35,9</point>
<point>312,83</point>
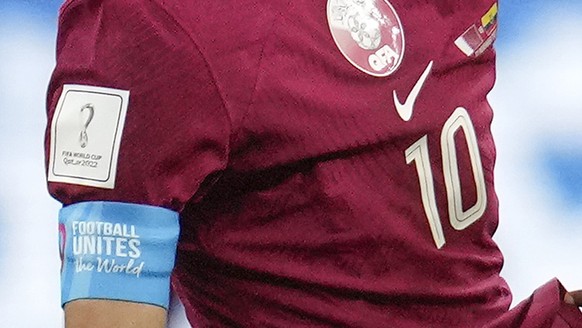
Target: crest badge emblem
<point>368,33</point>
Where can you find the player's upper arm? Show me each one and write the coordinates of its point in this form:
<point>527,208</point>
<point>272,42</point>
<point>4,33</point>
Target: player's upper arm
<point>135,124</point>
<point>175,131</point>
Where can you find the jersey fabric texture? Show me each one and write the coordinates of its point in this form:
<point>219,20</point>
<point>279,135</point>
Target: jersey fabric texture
<point>305,199</point>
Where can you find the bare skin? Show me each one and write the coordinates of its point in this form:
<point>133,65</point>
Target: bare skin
<point>574,298</point>
<point>113,314</point>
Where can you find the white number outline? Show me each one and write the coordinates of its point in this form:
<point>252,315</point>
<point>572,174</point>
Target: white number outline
<point>419,153</point>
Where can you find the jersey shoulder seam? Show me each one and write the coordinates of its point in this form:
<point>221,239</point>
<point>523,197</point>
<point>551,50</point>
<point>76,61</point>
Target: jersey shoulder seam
<point>210,71</point>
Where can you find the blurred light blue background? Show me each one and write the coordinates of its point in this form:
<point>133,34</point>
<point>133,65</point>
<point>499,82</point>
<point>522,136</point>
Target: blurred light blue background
<point>538,128</point>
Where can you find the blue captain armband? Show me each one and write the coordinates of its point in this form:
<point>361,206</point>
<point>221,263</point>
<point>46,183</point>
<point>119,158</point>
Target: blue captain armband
<point>117,251</point>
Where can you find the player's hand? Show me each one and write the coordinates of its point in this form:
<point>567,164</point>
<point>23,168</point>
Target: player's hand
<point>574,298</point>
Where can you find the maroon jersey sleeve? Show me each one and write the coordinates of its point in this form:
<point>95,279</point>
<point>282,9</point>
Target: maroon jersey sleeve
<point>545,308</point>
<point>175,132</point>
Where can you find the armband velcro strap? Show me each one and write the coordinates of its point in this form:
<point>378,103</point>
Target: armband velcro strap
<point>117,251</point>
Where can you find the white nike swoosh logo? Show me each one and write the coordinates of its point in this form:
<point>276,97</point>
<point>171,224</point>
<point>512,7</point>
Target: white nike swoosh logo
<point>405,110</point>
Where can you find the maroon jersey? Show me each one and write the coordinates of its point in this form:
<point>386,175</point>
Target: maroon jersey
<point>332,161</point>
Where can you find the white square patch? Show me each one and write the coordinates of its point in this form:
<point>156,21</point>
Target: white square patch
<point>85,135</point>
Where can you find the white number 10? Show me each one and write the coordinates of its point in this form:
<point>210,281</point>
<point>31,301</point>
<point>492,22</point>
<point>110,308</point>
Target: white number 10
<point>418,152</point>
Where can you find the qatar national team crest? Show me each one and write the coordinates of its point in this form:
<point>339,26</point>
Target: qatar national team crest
<point>368,33</point>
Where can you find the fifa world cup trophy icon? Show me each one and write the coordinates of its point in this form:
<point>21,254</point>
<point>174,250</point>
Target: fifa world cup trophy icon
<point>86,114</point>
